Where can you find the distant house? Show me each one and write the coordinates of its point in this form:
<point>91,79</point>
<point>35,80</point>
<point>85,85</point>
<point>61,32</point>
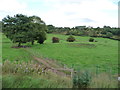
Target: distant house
<point>80,27</point>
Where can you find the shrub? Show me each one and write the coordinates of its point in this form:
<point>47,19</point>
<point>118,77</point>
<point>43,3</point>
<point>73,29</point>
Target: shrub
<point>55,40</point>
<point>91,40</point>
<point>109,34</point>
<point>70,39</point>
<point>81,79</point>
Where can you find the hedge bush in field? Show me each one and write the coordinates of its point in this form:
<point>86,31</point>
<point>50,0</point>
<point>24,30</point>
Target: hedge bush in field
<point>91,40</point>
<point>70,39</point>
<point>55,40</point>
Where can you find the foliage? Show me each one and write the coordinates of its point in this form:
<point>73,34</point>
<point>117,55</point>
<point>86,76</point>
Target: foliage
<point>70,39</point>
<point>91,40</point>
<point>39,29</point>
<point>81,79</point>
<point>87,79</point>
<point>109,34</point>
<point>84,31</point>
<point>50,28</point>
<point>22,29</point>
<point>55,40</point>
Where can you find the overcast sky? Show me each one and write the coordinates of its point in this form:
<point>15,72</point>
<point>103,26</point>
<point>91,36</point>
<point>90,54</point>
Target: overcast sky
<point>65,13</point>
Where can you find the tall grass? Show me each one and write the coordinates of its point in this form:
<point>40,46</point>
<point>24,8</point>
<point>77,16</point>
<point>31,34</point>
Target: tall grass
<point>104,80</point>
<point>31,75</point>
<point>89,79</point>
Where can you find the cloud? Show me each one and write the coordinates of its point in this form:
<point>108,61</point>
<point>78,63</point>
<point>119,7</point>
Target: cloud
<point>11,5</point>
<point>66,12</point>
<point>103,12</point>
<point>87,20</point>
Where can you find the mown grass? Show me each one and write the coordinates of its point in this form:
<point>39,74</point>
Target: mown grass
<point>81,53</point>
<point>13,54</point>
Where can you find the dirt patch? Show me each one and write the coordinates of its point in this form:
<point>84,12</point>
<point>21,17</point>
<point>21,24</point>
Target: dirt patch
<point>49,65</point>
<point>81,45</point>
<point>6,42</point>
<point>21,47</point>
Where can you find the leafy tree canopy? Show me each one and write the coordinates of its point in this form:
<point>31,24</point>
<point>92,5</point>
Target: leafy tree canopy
<point>21,29</point>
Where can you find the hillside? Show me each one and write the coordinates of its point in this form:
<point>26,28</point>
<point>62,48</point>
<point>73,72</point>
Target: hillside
<point>59,59</point>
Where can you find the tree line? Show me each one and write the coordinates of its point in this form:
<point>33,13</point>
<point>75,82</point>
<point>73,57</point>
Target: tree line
<point>105,31</point>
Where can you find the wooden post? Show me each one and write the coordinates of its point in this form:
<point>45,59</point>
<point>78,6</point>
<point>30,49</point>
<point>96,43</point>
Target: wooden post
<point>72,73</point>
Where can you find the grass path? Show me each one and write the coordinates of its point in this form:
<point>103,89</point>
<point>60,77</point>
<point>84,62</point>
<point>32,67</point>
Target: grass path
<point>51,65</point>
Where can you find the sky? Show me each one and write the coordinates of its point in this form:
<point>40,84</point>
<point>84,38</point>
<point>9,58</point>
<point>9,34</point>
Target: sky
<point>65,13</point>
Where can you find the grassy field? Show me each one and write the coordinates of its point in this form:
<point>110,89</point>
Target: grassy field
<point>81,53</point>
<point>100,56</point>
<point>13,54</point>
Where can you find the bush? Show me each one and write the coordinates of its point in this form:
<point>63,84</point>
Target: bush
<point>91,40</point>
<point>109,34</point>
<point>81,79</point>
<point>55,40</point>
<point>70,39</point>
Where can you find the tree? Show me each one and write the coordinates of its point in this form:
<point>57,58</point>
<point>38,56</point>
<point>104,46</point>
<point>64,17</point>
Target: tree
<point>38,28</point>
<point>50,28</point>
<point>21,29</point>
<point>15,28</point>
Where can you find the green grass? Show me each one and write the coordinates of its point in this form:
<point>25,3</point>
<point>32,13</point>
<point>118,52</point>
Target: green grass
<point>12,54</point>
<point>81,53</point>
<point>20,81</point>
